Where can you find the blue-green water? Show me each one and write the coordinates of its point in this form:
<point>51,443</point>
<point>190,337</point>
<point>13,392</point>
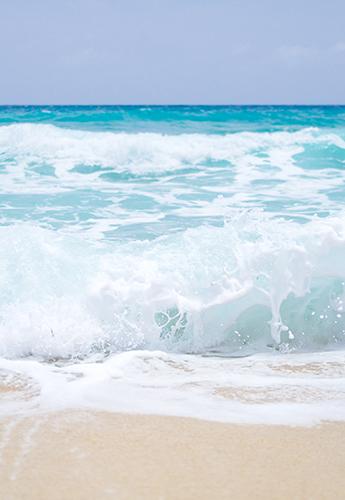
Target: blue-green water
<point>190,228</point>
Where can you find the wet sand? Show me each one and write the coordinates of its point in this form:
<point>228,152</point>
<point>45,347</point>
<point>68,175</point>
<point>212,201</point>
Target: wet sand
<point>84,455</point>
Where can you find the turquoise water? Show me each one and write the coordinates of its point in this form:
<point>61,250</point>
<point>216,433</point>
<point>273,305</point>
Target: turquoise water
<point>187,228</point>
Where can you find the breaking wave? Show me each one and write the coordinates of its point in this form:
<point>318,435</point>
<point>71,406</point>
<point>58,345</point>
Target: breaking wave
<point>65,149</point>
<point>253,284</point>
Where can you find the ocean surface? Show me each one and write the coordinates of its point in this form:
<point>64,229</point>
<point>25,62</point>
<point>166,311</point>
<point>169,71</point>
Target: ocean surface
<point>184,260</point>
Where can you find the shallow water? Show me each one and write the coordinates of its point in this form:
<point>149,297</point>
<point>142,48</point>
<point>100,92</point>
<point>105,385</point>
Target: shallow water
<point>293,389</point>
<point>177,233</point>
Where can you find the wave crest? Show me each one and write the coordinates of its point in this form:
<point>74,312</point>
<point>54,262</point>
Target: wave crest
<point>140,153</point>
<point>251,284</point>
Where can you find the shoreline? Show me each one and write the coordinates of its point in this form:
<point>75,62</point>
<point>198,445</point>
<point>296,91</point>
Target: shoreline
<point>86,455</point>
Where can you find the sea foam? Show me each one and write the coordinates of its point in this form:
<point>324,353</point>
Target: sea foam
<point>182,261</point>
<point>253,284</point>
<point>145,152</point>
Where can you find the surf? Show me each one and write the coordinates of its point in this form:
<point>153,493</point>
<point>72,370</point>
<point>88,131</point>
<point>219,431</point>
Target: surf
<point>253,285</point>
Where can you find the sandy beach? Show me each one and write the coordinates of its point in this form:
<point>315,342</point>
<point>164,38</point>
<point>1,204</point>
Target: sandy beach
<point>172,250</point>
<point>82,455</point>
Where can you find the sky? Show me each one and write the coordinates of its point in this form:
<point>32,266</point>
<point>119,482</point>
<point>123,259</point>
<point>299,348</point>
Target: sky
<point>172,52</point>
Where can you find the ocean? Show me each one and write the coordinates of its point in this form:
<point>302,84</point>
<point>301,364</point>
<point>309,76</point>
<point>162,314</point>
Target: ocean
<point>183,260</point>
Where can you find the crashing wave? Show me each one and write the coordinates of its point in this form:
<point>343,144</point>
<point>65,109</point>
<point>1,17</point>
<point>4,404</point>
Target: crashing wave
<point>255,283</point>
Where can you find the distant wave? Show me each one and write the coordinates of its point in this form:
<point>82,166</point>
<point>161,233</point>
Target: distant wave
<point>140,153</point>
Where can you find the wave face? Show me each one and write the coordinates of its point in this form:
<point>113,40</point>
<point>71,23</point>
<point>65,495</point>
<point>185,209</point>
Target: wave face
<point>187,229</point>
<point>251,284</point>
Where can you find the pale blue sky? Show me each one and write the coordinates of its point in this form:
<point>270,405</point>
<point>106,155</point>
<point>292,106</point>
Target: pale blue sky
<point>172,51</point>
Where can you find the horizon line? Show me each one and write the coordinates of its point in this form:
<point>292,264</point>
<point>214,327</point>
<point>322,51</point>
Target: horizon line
<point>175,105</point>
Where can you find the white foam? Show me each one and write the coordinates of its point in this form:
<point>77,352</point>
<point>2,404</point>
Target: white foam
<point>182,177</point>
<point>302,389</point>
<point>24,145</point>
<point>250,283</point>
<point>254,284</point>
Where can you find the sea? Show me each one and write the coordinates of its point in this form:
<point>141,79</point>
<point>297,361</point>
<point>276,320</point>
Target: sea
<point>173,260</point>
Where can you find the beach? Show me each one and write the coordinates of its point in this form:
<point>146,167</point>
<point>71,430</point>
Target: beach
<point>172,250</point>
<point>172,302</point>
<point>88,455</point>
